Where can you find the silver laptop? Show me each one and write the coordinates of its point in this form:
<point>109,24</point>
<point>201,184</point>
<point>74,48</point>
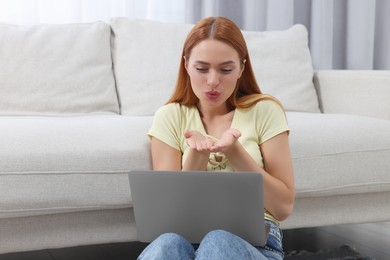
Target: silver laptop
<point>193,203</point>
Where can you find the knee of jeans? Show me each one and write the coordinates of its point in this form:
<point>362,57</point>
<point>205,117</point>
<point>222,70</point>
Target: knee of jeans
<point>217,235</point>
<point>168,246</point>
<point>169,238</point>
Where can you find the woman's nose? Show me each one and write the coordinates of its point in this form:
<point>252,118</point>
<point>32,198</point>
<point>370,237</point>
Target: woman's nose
<point>213,79</point>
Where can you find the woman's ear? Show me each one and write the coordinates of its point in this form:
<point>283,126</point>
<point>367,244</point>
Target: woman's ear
<point>185,63</point>
<point>242,67</point>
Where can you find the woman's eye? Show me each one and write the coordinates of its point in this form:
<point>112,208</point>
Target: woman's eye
<point>226,71</point>
<point>203,70</point>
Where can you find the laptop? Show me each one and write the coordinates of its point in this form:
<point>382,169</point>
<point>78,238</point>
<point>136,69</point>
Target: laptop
<point>192,203</point>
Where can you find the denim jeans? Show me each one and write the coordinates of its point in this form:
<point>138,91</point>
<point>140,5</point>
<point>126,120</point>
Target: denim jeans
<point>217,244</point>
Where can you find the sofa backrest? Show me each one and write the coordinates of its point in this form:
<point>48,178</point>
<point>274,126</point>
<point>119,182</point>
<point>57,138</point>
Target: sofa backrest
<point>131,66</point>
<point>147,54</point>
<point>56,70</point>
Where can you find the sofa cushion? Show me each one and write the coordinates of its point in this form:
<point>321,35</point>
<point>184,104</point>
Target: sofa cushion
<point>61,164</point>
<point>147,55</point>
<point>56,70</point>
<point>335,154</point>
<point>283,67</point>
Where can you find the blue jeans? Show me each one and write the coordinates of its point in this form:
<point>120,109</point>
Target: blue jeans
<point>217,244</point>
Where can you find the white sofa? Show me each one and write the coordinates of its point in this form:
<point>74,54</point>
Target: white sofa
<point>76,102</point>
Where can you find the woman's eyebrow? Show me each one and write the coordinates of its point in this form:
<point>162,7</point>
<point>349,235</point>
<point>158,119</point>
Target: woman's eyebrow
<point>227,62</point>
<point>201,62</point>
<point>207,63</point>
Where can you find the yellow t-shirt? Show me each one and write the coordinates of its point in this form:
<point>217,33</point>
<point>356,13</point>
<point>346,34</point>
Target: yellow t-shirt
<point>257,124</point>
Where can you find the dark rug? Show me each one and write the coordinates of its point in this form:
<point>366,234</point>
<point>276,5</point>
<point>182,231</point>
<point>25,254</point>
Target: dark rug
<point>344,252</point>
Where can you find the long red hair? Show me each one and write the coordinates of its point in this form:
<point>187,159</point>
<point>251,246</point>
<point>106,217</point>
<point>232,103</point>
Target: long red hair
<point>247,91</point>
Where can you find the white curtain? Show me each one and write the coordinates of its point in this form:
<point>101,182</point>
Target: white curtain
<point>343,34</point>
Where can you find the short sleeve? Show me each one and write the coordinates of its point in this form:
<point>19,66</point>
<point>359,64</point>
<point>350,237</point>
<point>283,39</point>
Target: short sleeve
<point>271,120</point>
<point>166,125</point>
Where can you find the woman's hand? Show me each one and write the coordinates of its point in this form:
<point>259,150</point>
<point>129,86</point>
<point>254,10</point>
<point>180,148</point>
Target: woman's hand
<point>200,143</point>
<point>228,140</point>
<point>199,154</point>
<point>197,141</point>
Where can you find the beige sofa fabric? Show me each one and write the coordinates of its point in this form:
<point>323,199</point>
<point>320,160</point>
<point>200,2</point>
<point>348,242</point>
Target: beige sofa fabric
<point>56,70</point>
<point>355,92</point>
<point>282,65</point>
<point>337,154</point>
<point>51,145</point>
<point>66,164</point>
<point>146,55</point>
<point>68,229</point>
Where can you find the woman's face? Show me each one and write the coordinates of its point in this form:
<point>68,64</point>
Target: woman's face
<point>214,68</point>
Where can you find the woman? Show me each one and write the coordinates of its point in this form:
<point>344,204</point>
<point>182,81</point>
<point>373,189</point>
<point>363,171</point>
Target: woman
<point>218,120</point>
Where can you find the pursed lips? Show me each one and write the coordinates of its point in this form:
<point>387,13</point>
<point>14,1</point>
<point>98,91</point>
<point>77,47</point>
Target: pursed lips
<point>212,94</point>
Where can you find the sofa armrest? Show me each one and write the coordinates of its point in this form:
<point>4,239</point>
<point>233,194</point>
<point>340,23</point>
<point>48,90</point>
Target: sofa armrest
<point>364,92</point>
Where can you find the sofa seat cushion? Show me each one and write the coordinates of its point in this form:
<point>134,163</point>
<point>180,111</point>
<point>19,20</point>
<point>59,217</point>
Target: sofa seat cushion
<point>61,164</point>
<point>335,154</point>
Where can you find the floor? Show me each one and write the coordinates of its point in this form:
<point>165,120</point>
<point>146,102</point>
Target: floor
<point>369,239</point>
